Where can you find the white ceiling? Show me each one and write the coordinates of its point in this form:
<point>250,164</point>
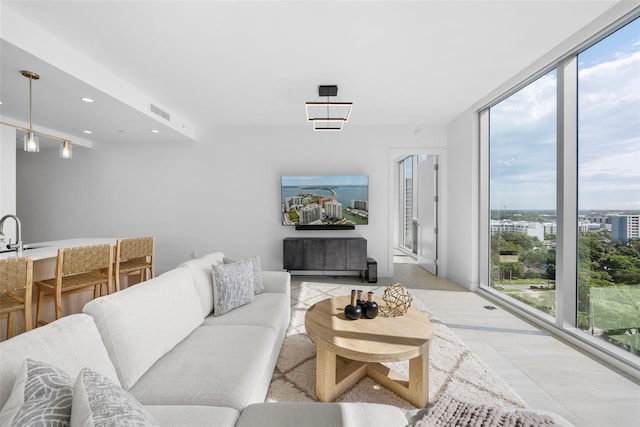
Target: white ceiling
<point>243,63</point>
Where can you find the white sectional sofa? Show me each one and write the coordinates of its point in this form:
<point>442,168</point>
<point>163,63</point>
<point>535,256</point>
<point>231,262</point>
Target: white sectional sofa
<point>185,365</point>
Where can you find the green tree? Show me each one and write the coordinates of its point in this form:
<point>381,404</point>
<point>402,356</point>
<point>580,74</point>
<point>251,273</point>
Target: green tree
<point>535,256</point>
<point>511,270</point>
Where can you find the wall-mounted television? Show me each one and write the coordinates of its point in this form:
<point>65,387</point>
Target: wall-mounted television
<point>326,201</point>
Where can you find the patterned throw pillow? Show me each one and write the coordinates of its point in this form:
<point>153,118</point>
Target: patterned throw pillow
<point>258,284</point>
<point>98,401</point>
<point>41,395</point>
<point>232,286</point>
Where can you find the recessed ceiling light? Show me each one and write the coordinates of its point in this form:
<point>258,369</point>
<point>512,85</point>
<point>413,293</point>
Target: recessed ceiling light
<point>155,131</point>
<point>87,131</point>
<point>85,99</point>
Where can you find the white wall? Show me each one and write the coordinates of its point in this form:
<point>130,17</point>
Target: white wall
<point>462,200</point>
<point>8,178</point>
<point>221,193</point>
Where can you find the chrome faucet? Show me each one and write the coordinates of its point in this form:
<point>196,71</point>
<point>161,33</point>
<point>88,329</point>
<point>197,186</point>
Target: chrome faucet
<point>18,244</point>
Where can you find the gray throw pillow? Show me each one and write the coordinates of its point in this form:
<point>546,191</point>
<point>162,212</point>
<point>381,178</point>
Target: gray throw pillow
<point>98,402</point>
<point>41,395</point>
<point>232,286</point>
<point>258,284</point>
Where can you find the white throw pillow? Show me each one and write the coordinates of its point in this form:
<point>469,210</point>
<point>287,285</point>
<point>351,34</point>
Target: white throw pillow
<point>258,283</point>
<point>233,286</point>
<point>98,402</point>
<point>41,392</point>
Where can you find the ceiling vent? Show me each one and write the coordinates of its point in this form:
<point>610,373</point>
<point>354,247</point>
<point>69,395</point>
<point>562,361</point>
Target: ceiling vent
<point>156,110</point>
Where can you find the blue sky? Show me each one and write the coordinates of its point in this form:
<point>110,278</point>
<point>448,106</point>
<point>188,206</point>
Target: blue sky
<point>523,133</point>
<point>329,180</point>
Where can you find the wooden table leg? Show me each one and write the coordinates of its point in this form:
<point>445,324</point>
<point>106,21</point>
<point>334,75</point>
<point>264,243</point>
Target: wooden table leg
<point>325,374</point>
<point>414,389</point>
<point>332,381</point>
<point>419,380</point>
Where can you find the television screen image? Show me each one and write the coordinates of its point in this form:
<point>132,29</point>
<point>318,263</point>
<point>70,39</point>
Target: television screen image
<point>331,200</point>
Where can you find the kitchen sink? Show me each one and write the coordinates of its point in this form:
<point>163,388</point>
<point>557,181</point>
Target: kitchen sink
<point>24,248</point>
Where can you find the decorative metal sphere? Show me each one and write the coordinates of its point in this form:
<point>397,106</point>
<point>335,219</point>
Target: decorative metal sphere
<point>397,299</point>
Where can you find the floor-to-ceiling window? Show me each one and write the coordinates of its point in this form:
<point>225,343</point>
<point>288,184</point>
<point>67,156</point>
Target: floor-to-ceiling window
<point>562,167</point>
<point>522,153</point>
<point>609,188</point>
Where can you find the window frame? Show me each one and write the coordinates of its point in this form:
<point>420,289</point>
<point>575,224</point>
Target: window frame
<point>565,321</point>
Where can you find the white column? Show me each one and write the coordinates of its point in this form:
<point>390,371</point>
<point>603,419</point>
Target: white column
<point>8,177</point>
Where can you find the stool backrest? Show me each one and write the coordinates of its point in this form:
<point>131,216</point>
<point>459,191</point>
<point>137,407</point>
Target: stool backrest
<point>84,259</point>
<point>15,274</point>
<point>138,247</point>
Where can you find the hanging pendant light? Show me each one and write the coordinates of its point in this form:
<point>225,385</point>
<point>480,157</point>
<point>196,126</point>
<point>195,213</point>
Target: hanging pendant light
<point>31,141</point>
<point>65,150</point>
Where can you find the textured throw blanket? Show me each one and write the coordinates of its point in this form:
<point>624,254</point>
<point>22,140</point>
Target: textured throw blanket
<point>448,411</point>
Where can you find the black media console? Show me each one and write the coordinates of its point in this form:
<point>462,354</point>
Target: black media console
<point>325,254</point>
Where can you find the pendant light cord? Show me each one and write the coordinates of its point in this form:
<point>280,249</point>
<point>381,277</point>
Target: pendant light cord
<point>30,107</point>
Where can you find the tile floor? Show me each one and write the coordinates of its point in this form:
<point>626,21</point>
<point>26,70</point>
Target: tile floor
<point>546,372</point>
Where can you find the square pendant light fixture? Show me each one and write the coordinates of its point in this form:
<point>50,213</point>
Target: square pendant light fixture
<point>328,116</point>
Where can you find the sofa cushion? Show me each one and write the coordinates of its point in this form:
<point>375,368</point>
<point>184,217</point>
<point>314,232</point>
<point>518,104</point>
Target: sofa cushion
<point>258,284</point>
<point>267,309</point>
<point>193,416</point>
<point>98,401</point>
<point>41,392</point>
<point>232,286</point>
<point>200,269</point>
<point>70,343</point>
<point>218,366</point>
<point>277,282</point>
<point>316,414</point>
<point>142,323</point>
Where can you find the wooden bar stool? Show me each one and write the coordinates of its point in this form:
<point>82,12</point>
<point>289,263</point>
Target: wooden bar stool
<point>135,256</point>
<point>16,278</point>
<point>77,269</point>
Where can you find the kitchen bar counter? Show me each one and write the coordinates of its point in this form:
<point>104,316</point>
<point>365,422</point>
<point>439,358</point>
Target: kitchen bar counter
<point>44,250</point>
<point>44,256</point>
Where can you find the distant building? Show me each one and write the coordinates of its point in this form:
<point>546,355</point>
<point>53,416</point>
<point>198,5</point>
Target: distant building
<point>290,202</point>
<point>625,228</point>
<point>550,228</point>
<point>508,258</point>
<point>408,215</point>
<point>361,205</point>
<point>533,229</point>
<point>585,226</point>
<point>333,210</point>
<point>310,214</point>
<point>322,200</point>
<point>293,201</point>
<point>602,220</point>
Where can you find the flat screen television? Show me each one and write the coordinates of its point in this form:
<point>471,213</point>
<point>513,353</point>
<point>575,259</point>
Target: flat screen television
<point>327,201</point>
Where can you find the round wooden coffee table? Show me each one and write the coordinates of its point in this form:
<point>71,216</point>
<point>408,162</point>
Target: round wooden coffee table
<point>365,343</point>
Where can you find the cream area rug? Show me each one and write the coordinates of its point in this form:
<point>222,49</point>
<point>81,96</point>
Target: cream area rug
<point>453,369</point>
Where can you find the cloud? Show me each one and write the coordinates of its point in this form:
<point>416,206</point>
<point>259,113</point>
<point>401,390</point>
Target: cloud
<point>609,133</point>
<point>625,164</point>
<point>523,132</point>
